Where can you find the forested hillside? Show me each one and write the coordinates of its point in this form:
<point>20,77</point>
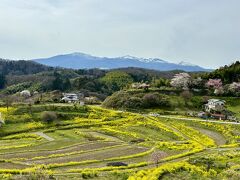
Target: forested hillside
<point>21,67</point>
<point>228,73</point>
<point>16,76</point>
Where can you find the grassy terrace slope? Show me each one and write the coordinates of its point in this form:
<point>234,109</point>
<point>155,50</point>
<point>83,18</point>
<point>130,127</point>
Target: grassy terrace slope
<point>84,139</point>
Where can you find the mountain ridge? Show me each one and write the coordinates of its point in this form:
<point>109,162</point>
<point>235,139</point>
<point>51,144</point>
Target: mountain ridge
<point>79,60</point>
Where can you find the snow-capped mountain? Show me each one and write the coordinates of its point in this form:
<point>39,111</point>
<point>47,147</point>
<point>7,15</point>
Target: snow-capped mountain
<point>86,61</point>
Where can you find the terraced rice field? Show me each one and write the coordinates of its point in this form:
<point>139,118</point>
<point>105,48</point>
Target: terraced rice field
<point>86,144</point>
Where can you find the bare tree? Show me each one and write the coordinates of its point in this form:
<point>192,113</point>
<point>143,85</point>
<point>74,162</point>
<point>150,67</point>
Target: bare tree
<point>30,103</point>
<point>186,95</point>
<point>8,100</point>
<point>157,156</point>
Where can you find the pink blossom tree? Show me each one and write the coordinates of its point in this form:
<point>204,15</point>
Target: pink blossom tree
<point>214,83</point>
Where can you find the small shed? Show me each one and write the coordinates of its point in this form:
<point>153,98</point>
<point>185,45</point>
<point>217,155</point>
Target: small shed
<point>218,116</point>
<point>202,115</point>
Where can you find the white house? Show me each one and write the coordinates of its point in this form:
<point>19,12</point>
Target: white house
<point>215,105</point>
<point>70,98</point>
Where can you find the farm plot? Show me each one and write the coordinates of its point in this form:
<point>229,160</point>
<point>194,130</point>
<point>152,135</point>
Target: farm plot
<point>85,144</point>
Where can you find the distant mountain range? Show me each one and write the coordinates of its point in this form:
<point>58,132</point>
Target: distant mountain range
<point>85,61</point>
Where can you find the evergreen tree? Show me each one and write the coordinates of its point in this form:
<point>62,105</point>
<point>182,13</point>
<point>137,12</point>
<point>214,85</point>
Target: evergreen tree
<point>60,83</point>
<point>66,84</point>
<point>57,83</point>
<point>2,81</point>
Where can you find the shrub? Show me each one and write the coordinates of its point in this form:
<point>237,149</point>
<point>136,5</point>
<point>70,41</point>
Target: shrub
<point>133,102</point>
<point>127,100</point>
<point>155,100</point>
<point>187,95</point>
<point>48,116</point>
<point>89,174</point>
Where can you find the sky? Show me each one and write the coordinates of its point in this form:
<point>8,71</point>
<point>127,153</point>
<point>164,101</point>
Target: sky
<point>203,32</point>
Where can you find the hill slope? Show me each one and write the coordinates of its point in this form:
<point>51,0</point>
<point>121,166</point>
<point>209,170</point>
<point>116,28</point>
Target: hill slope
<point>21,67</point>
<point>85,61</point>
<point>228,74</point>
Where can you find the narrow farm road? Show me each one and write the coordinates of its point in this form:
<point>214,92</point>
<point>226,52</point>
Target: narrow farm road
<point>44,136</point>
<point>170,127</point>
<point>94,133</point>
<point>217,137</point>
<point>200,120</point>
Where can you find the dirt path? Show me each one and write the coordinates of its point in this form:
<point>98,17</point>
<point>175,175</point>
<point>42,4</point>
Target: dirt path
<point>44,136</point>
<point>217,137</point>
<point>170,127</point>
<point>94,133</point>
<point>200,120</point>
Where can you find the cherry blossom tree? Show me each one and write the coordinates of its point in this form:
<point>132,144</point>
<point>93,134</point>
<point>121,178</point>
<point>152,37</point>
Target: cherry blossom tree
<point>214,83</point>
<point>234,87</point>
<point>25,93</point>
<point>181,80</point>
<point>219,91</point>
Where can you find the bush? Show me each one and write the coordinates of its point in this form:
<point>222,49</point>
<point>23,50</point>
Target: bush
<point>128,100</point>
<point>48,116</point>
<point>155,100</point>
<point>89,174</point>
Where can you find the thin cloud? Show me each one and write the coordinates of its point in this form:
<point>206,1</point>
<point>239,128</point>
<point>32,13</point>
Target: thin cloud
<point>198,31</point>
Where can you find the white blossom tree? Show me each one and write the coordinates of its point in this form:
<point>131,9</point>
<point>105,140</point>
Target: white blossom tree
<point>181,81</point>
<point>234,87</point>
<point>219,91</point>
<point>25,93</point>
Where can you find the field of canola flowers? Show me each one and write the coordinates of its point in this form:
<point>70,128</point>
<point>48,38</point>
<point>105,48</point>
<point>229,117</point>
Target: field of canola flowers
<point>84,140</point>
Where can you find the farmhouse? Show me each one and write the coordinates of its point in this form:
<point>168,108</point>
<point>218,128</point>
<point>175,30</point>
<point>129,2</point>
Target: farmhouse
<point>70,97</point>
<point>215,105</point>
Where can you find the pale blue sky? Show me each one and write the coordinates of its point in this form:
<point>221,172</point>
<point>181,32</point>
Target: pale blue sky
<point>203,32</point>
